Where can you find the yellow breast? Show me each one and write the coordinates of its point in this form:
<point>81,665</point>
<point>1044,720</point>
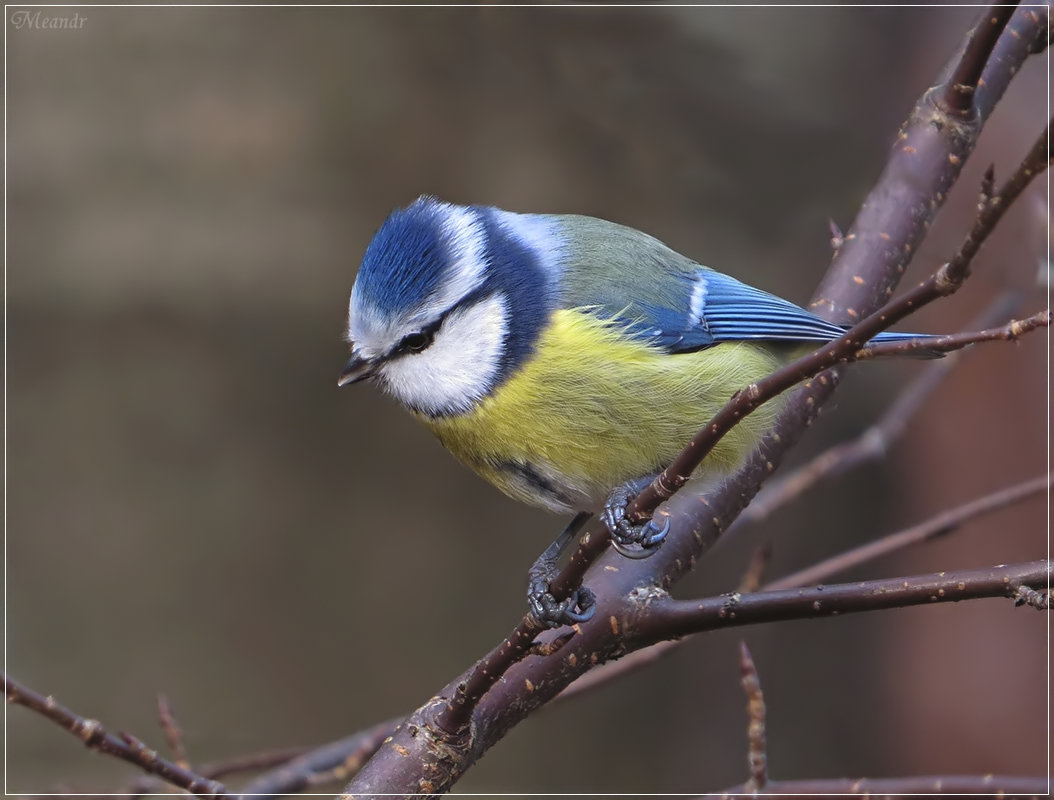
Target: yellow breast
<point>593,408</point>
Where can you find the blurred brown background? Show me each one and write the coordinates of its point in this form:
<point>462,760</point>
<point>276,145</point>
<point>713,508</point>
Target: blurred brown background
<point>194,508</point>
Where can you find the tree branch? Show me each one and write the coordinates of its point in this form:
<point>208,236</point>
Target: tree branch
<point>251,762</point>
<point>877,439</point>
<point>667,619</point>
<point>756,758</point>
<point>422,757</point>
<point>1010,332</point>
<point>959,92</point>
<point>946,281</point>
<point>122,745</point>
<point>945,785</point>
<point>940,525</point>
<point>173,733</point>
<point>347,754</point>
<point>453,719</point>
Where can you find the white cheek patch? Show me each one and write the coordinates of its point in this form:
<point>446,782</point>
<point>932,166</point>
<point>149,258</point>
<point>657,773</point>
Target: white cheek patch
<point>460,366</point>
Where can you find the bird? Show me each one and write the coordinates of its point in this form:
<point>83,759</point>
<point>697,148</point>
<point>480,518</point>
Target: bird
<point>564,358</point>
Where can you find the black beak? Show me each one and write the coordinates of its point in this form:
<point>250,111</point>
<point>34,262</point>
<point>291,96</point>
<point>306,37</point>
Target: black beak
<point>357,369</point>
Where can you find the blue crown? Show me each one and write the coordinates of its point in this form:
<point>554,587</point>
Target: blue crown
<point>406,260</point>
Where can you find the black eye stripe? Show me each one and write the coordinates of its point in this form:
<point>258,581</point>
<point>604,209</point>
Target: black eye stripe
<point>421,340</point>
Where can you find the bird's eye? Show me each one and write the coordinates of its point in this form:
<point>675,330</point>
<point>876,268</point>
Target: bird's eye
<point>416,342</point>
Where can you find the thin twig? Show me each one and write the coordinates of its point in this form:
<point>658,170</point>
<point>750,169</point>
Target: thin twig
<point>485,673</point>
<point>674,618</point>
<point>345,756</point>
<point>939,525</point>
<point>251,762</point>
<point>123,746</point>
<point>454,718</point>
<point>173,733</point>
<point>756,757</point>
<point>959,92</point>
<point>987,785</point>
<point>1010,332</point>
<point>1026,596</point>
<point>649,654</point>
<point>947,280</point>
<point>755,572</point>
<point>877,439</point>
<point>925,163</point>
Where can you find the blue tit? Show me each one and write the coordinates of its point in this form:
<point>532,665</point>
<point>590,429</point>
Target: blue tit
<point>559,356</point>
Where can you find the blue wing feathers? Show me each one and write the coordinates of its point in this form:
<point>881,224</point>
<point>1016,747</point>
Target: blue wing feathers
<point>733,311</point>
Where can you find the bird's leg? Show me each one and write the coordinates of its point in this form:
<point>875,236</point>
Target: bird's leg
<point>647,536</point>
<point>580,605</point>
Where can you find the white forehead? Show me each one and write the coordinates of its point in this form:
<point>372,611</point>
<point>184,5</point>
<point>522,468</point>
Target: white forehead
<point>464,241</point>
<point>461,365</point>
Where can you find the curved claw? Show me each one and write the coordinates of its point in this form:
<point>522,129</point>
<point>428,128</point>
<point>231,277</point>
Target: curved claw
<point>629,540</point>
<point>579,606</point>
<point>553,614</point>
<point>584,599</point>
<point>647,538</point>
<point>655,539</point>
<point>636,553</point>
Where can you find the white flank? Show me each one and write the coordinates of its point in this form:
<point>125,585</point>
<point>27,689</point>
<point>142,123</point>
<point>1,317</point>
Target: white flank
<point>460,365</point>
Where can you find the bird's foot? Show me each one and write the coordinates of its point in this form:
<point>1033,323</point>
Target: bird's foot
<point>579,606</point>
<point>630,540</point>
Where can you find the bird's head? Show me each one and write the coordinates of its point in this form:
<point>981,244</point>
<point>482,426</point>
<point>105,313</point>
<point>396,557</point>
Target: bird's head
<point>448,301</point>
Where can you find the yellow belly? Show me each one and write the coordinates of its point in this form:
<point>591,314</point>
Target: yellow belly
<point>592,409</point>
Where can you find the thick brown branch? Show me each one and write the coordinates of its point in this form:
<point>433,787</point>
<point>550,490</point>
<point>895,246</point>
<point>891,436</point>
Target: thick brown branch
<point>521,642</point>
<point>454,717</point>
<point>122,746</point>
<point>488,671</point>
<point>925,163</point>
